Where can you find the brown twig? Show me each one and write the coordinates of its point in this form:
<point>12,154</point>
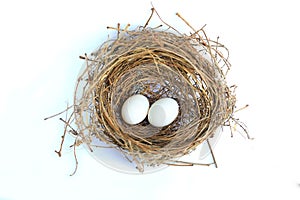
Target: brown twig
<point>146,24</point>
<point>61,144</point>
<point>85,57</point>
<point>184,163</point>
<point>242,126</point>
<point>67,123</point>
<point>212,153</point>
<point>59,113</point>
<point>118,29</point>
<point>126,27</point>
<point>64,134</point>
<point>168,25</point>
<point>75,157</point>
<point>242,108</point>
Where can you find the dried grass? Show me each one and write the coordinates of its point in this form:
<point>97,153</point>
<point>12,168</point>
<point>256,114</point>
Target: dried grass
<point>156,64</point>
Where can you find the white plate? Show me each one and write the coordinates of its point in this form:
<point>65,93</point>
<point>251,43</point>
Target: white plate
<point>114,159</point>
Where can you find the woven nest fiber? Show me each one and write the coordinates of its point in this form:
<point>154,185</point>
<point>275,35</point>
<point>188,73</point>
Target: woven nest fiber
<point>156,64</point>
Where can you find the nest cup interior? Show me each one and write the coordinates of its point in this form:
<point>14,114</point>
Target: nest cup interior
<point>155,64</point>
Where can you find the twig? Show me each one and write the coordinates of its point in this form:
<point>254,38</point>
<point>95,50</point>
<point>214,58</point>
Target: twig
<point>195,31</point>
<point>88,59</point>
<point>126,27</point>
<point>118,27</point>
<point>61,143</point>
<point>208,45</point>
<point>75,157</point>
<point>212,153</point>
<point>231,131</point>
<point>74,132</point>
<point>184,163</point>
<point>64,134</point>
<point>242,108</point>
<point>164,21</point>
<point>217,45</point>
<point>243,126</point>
<point>146,24</point>
<point>59,113</point>
<point>100,146</point>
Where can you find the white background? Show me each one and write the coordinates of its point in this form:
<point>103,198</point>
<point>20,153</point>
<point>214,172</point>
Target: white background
<point>40,42</point>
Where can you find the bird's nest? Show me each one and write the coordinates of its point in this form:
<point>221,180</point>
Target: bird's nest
<point>155,63</point>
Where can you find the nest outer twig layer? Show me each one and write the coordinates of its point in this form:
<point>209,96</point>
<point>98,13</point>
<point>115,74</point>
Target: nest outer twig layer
<point>155,64</point>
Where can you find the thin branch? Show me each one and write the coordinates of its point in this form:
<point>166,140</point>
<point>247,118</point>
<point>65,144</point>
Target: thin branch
<point>184,163</point>
<point>207,44</point>
<point>216,48</point>
<point>126,27</point>
<point>146,24</point>
<point>242,108</point>
<point>100,146</point>
<point>87,59</point>
<point>195,31</point>
<point>61,143</point>
<point>212,153</point>
<point>59,113</point>
<point>64,135</point>
<point>164,21</point>
<point>74,132</point>
<point>186,22</point>
<point>231,130</point>
<point>118,29</point>
<point>75,157</point>
<point>243,127</point>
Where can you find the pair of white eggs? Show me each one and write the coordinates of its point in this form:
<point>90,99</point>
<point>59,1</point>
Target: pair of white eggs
<point>161,113</point>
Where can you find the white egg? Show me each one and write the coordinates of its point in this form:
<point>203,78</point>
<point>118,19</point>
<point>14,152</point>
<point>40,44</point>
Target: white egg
<point>163,112</point>
<point>135,109</point>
